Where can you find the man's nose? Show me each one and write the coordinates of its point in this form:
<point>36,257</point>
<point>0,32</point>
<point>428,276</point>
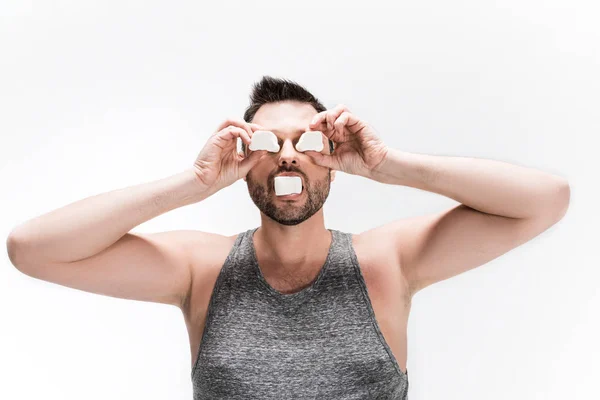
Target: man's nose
<point>288,153</point>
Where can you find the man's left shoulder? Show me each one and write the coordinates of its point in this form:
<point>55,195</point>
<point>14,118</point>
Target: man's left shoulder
<point>377,238</point>
<point>377,246</point>
<point>379,261</point>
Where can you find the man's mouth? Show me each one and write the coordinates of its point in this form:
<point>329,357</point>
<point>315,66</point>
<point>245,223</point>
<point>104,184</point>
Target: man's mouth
<point>290,196</point>
<point>287,185</point>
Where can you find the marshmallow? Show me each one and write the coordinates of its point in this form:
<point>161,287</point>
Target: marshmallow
<point>264,140</point>
<point>287,185</point>
<point>310,140</point>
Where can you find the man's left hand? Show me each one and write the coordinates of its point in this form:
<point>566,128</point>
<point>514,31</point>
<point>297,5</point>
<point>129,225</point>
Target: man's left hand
<point>357,148</point>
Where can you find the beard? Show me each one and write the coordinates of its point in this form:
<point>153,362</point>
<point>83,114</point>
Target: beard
<point>292,212</point>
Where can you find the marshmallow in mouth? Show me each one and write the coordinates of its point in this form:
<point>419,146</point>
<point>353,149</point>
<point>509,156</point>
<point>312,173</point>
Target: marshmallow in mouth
<point>285,185</point>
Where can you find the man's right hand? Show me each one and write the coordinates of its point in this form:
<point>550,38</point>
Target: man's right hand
<point>219,164</point>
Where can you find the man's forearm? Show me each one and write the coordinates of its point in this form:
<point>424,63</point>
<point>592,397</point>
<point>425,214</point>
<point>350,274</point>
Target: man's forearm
<point>88,226</point>
<point>490,186</point>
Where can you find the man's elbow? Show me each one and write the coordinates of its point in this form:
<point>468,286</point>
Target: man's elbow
<point>14,247</point>
<point>558,202</point>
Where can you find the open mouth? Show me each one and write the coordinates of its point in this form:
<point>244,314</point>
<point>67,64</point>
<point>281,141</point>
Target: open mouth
<point>288,187</point>
<point>291,196</point>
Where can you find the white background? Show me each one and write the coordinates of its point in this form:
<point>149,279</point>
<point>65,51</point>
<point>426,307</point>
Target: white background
<point>96,96</point>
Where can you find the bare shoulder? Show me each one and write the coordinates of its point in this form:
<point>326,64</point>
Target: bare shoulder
<point>379,260</point>
<point>207,252</point>
<point>377,243</point>
<point>208,248</point>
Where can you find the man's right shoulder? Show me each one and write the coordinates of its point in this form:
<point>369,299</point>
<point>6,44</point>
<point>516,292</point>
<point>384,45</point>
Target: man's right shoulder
<point>206,253</point>
<point>202,247</point>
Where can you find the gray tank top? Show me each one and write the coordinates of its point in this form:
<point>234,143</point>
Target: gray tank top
<point>322,342</point>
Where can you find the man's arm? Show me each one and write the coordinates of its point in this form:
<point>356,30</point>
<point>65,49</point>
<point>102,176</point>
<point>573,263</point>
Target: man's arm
<point>88,245</point>
<point>502,206</point>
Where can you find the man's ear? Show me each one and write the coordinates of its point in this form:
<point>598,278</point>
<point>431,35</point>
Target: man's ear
<point>245,154</point>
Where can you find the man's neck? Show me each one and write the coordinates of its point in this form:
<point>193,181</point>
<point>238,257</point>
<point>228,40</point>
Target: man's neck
<point>289,250</point>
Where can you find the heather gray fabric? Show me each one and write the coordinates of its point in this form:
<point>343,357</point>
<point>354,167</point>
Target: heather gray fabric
<point>322,342</point>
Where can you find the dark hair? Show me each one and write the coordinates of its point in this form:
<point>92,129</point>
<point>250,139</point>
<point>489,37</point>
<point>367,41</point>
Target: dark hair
<point>272,90</point>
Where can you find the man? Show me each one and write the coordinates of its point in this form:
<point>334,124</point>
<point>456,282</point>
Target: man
<point>291,309</point>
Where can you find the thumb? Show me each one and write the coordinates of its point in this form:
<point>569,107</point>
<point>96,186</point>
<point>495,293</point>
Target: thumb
<point>324,160</point>
<point>247,163</point>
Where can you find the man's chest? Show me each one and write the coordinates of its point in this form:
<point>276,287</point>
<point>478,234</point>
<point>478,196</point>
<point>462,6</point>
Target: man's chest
<point>380,270</point>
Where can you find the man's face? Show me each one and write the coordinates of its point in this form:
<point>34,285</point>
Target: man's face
<point>288,121</point>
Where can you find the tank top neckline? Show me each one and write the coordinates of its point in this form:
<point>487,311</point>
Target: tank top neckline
<point>296,296</point>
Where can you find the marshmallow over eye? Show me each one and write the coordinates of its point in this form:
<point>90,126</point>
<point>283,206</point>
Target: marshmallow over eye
<point>264,140</point>
<point>310,140</point>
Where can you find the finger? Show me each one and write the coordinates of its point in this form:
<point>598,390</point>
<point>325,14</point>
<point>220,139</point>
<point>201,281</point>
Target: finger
<point>338,128</point>
<point>256,127</point>
<point>345,124</point>
<point>240,123</point>
<point>325,119</point>
<point>249,162</point>
<point>324,160</point>
<point>232,132</point>
<point>317,120</point>
<point>352,123</point>
<point>335,114</point>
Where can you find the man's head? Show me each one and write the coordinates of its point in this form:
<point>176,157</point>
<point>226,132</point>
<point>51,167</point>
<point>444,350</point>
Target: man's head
<point>286,108</point>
